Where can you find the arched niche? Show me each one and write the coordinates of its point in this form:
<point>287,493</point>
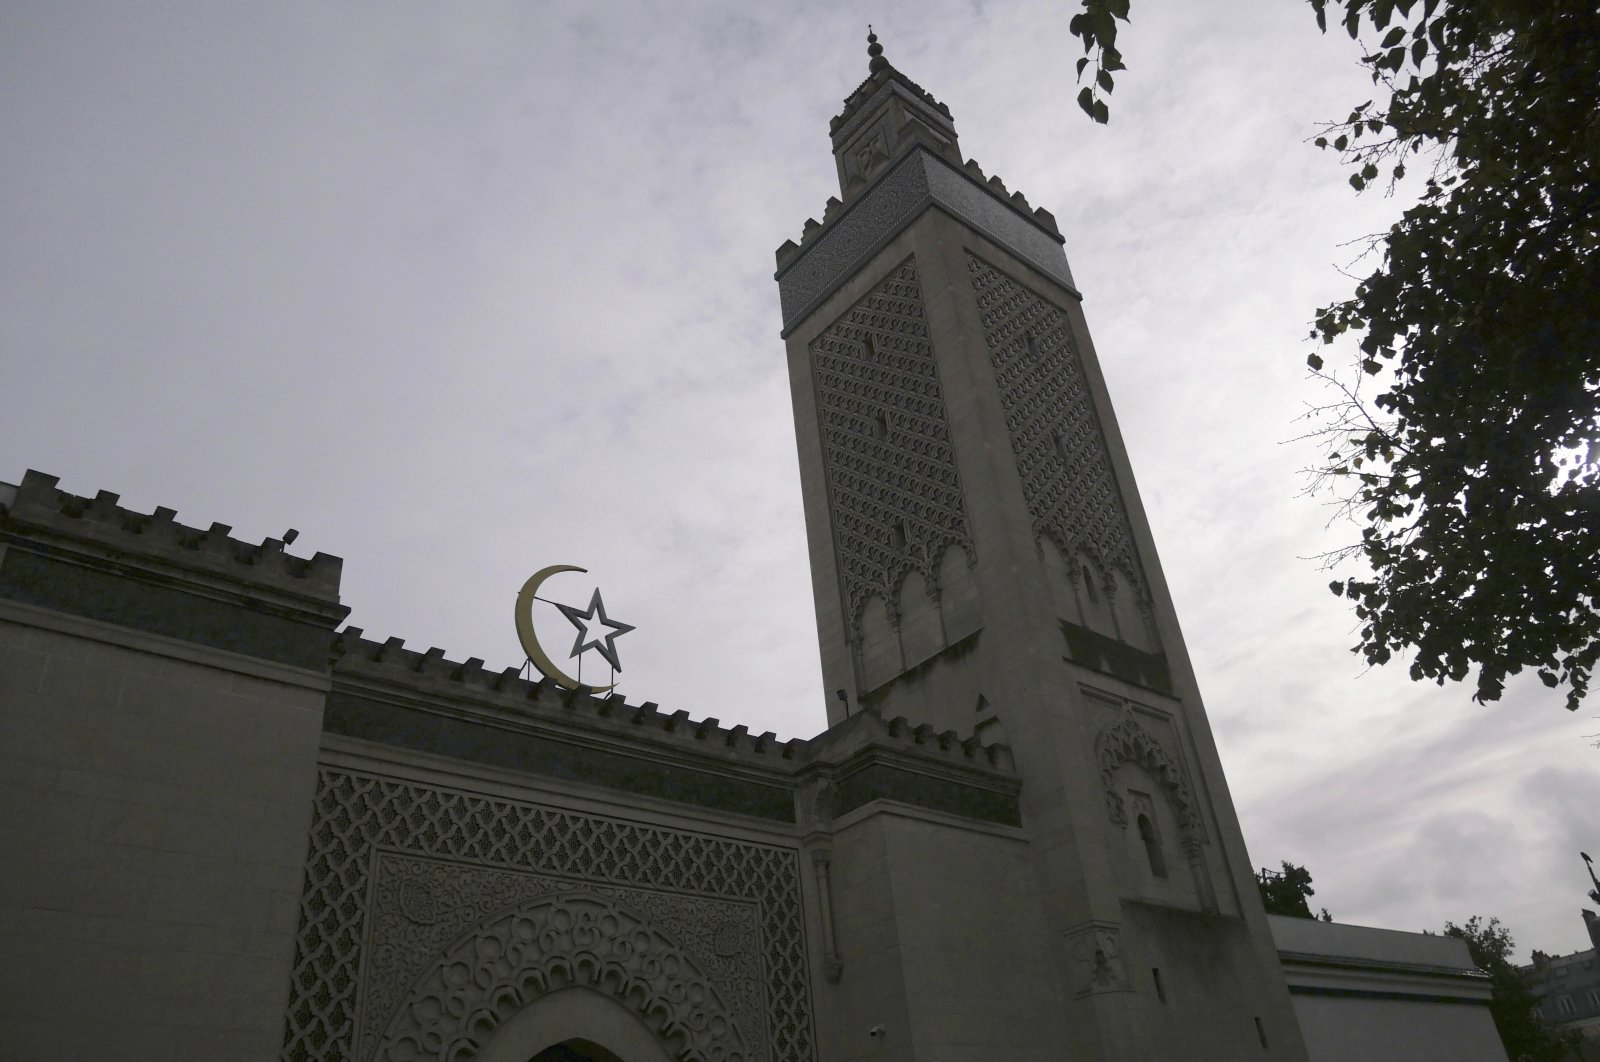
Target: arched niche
<point>1154,846</point>
<point>880,644</point>
<point>1059,578</point>
<point>573,1025</point>
<point>1133,763</point>
<point>921,634</point>
<point>958,594</point>
<point>1131,615</point>
<point>1093,593</point>
<point>519,969</point>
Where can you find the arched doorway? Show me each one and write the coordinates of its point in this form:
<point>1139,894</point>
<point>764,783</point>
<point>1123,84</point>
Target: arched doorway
<point>573,1025</point>
<point>576,1049</point>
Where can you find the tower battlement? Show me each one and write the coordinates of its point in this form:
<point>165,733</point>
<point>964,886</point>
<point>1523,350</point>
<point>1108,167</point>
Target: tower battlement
<point>835,210</point>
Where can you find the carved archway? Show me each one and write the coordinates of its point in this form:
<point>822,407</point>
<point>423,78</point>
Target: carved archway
<point>573,1023</point>
<point>1128,742</point>
<point>487,979</point>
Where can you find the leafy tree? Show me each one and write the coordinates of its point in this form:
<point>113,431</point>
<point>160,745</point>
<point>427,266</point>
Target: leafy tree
<point>1284,892</point>
<point>1465,438</point>
<point>1513,1005</point>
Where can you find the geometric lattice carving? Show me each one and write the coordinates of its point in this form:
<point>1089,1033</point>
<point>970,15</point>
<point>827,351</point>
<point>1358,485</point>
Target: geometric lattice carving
<point>1128,742</point>
<point>361,822</point>
<point>893,488</point>
<point>1061,453</point>
<point>511,959</point>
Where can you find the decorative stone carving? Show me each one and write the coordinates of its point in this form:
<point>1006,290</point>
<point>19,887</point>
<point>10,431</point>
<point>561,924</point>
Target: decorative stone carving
<point>1060,449</point>
<point>1128,742</point>
<point>397,870</point>
<point>836,254</point>
<point>720,936</point>
<point>509,959</point>
<point>1096,953</point>
<point>892,480</point>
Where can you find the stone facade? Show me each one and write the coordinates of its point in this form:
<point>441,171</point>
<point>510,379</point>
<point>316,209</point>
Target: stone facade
<point>1011,584</point>
<point>235,831</point>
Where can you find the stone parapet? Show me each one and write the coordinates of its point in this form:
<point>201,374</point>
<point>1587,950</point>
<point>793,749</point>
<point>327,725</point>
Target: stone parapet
<point>158,537</point>
<point>833,251</point>
<point>94,559</point>
<point>422,701</point>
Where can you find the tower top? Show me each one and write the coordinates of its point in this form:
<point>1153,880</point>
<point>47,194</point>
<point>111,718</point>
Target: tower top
<point>883,118</point>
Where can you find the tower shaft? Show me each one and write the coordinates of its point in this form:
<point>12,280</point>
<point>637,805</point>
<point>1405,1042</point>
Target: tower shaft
<point>981,561</point>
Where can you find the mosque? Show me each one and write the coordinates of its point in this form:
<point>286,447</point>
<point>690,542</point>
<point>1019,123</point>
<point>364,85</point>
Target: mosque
<point>236,829</point>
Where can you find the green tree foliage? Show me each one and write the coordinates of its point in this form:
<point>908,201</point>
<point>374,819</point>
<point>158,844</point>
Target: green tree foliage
<point>1515,1009</point>
<point>1284,892</point>
<point>1465,439</point>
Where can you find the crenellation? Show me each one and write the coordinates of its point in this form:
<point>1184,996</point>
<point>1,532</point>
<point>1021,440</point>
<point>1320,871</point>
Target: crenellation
<point>102,520</point>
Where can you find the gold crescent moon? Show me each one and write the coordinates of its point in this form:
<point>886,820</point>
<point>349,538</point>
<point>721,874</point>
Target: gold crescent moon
<point>530,643</point>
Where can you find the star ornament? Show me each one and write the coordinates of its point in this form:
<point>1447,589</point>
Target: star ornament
<point>595,630</point>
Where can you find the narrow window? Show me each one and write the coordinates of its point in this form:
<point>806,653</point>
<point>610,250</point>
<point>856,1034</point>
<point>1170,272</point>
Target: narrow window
<point>880,427</point>
<point>867,347</point>
<point>1060,446</point>
<point>1032,342</point>
<point>1161,993</point>
<point>900,535</point>
<point>1261,1034</point>
<point>1152,847</point>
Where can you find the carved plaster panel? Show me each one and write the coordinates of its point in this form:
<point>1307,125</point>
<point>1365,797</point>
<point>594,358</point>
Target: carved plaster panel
<point>507,960</point>
<point>893,490</point>
<point>1127,742</point>
<point>1056,437</point>
<point>420,906</point>
<point>1096,952</point>
<point>400,875</point>
<point>837,253</point>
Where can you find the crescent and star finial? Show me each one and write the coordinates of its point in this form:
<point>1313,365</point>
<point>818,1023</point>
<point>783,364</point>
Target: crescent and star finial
<point>596,630</point>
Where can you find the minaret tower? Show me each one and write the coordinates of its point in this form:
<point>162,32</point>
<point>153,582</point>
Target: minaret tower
<point>981,561</point>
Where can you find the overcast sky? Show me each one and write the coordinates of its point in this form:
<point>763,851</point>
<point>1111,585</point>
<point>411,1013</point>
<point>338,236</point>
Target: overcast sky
<point>463,290</point>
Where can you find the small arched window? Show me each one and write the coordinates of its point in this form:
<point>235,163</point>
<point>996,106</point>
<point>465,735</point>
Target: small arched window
<point>1152,847</point>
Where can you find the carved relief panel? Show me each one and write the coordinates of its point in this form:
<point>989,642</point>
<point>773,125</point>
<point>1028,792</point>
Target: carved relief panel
<point>431,915</point>
<point>893,490</point>
<point>1056,437</point>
